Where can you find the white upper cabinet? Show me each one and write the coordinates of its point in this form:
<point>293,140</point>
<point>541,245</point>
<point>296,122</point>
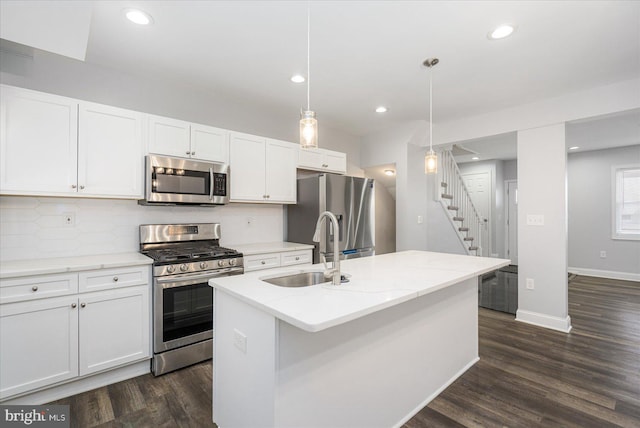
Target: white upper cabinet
<point>262,170</point>
<point>39,142</point>
<point>172,137</point>
<point>322,160</point>
<point>110,151</point>
<point>209,143</point>
<point>57,146</point>
<point>169,137</point>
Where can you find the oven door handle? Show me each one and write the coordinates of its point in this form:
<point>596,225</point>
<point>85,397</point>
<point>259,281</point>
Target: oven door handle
<point>211,184</point>
<point>190,279</point>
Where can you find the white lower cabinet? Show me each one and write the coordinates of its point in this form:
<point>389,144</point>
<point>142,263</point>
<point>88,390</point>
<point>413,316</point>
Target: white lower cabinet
<point>273,260</point>
<point>39,344</point>
<point>114,328</point>
<point>47,340</point>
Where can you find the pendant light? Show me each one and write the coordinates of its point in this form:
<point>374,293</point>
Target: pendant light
<point>308,122</point>
<point>431,159</point>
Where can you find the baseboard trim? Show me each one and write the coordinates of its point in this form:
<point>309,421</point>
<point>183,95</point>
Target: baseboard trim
<point>543,320</point>
<point>626,276</point>
<point>435,394</point>
<point>82,385</point>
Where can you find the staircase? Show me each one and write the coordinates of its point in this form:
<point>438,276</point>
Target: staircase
<point>455,199</point>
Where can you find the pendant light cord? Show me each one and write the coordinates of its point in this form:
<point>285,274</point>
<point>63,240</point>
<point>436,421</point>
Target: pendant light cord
<point>308,54</point>
<point>430,110</point>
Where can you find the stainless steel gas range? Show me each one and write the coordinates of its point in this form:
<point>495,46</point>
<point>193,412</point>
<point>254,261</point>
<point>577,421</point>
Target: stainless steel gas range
<point>185,257</point>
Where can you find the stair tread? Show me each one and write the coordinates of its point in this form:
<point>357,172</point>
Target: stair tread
<point>463,229</point>
<point>468,238</point>
<point>443,184</point>
<point>458,219</point>
<point>473,248</point>
<point>453,208</point>
<point>447,196</point>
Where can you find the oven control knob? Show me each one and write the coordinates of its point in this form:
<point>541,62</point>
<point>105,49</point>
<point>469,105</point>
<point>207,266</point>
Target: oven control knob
<point>171,269</point>
<point>233,262</point>
<point>184,267</point>
<point>220,263</point>
<point>203,265</point>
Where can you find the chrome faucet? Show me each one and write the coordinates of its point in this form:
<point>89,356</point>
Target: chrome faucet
<point>334,272</point>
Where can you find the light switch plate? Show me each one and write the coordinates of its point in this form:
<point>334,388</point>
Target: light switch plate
<point>535,220</point>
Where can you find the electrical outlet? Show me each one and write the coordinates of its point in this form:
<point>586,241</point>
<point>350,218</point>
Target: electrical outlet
<point>420,219</point>
<point>69,219</point>
<point>240,340</point>
<point>603,254</point>
<point>530,284</point>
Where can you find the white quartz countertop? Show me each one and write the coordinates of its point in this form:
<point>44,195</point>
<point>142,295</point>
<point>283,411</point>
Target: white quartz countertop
<point>269,247</point>
<point>17,268</point>
<point>376,283</point>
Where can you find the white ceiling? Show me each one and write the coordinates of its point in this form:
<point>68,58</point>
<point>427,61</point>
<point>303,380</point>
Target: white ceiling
<point>596,133</point>
<point>367,53</point>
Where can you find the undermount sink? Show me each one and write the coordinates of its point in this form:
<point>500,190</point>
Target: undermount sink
<point>301,279</point>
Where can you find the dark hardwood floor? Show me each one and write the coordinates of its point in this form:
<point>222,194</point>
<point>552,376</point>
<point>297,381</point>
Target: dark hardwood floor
<point>526,377</point>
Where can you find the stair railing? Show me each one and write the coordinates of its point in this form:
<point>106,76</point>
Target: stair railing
<point>473,224</point>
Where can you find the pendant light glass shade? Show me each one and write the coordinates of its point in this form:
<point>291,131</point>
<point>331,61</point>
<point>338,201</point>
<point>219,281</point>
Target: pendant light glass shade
<point>430,163</point>
<point>308,130</point>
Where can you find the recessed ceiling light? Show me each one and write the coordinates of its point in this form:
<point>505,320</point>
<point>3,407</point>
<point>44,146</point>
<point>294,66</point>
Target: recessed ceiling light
<point>501,32</point>
<point>138,17</point>
<point>389,172</point>
<point>297,78</point>
<point>574,148</point>
<point>475,158</point>
<point>381,109</point>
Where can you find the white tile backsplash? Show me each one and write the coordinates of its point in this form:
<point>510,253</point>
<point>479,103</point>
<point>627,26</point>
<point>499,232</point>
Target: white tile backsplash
<point>34,227</point>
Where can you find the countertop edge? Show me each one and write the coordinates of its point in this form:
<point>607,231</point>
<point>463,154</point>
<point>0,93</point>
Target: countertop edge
<point>21,268</point>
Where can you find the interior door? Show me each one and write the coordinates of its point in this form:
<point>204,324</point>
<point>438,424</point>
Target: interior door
<point>512,221</point>
<point>479,187</point>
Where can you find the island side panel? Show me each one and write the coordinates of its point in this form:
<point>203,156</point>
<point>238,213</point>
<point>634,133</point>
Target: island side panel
<point>379,370</point>
<point>243,381</point>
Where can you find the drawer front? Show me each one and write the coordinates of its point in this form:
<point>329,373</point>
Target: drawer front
<point>105,279</point>
<point>261,261</point>
<point>296,257</point>
<point>37,287</point>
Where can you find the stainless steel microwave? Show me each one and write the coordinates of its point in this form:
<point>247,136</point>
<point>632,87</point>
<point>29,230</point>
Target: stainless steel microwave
<point>177,181</point>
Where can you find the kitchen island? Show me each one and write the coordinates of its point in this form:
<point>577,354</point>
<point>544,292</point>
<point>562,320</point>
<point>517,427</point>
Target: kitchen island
<point>368,353</point>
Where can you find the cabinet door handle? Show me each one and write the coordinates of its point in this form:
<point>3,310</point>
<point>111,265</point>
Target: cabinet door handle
<point>263,262</point>
<point>81,187</point>
<point>73,305</point>
<point>115,279</point>
<point>34,288</point>
<point>297,258</point>
<point>325,165</point>
<point>73,186</point>
<point>82,305</point>
<point>188,152</point>
<point>193,153</point>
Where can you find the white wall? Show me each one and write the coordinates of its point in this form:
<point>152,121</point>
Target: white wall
<point>542,250</point>
<point>590,215</point>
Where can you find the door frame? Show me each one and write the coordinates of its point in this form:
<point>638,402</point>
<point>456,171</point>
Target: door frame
<point>506,217</point>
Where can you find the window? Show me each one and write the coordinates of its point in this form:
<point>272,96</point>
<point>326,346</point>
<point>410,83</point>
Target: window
<point>626,202</point>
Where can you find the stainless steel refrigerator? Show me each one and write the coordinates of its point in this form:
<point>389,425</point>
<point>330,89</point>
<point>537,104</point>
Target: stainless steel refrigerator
<point>351,199</point>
